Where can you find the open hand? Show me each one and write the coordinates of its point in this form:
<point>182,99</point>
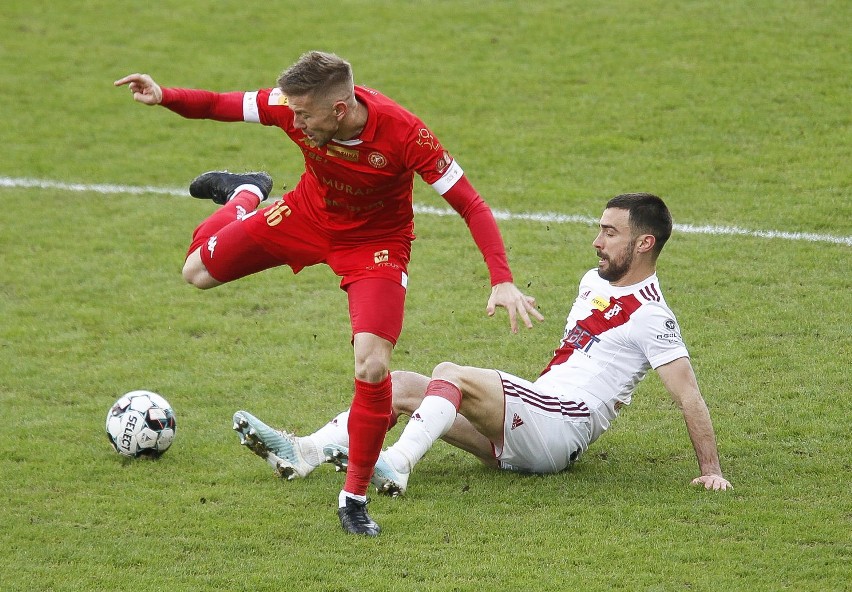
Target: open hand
<point>714,482</point>
<point>516,304</point>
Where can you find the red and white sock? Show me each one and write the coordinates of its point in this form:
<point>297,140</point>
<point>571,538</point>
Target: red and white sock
<point>430,421</point>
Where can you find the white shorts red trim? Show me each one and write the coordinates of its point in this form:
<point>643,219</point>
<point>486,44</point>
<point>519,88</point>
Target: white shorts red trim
<point>541,433</point>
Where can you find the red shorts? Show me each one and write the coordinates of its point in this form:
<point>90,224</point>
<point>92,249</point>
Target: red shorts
<point>277,235</point>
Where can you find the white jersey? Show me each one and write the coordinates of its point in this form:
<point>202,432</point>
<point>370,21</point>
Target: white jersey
<point>612,337</point>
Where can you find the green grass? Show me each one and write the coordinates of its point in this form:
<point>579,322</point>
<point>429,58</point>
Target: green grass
<point>736,113</point>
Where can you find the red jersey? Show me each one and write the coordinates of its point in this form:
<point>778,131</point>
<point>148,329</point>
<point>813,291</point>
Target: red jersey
<point>361,188</point>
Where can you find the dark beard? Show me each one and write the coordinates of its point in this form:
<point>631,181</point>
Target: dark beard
<point>615,272</point>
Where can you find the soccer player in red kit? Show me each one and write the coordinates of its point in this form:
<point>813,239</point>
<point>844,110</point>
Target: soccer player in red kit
<point>352,210</point>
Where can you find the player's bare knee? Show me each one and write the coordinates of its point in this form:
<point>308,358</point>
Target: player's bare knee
<point>198,277</point>
<point>371,369</point>
<point>448,371</point>
<point>190,275</point>
<point>195,272</point>
<point>372,357</point>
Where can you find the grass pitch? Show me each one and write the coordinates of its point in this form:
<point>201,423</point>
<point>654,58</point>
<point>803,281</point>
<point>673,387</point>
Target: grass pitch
<point>737,114</point>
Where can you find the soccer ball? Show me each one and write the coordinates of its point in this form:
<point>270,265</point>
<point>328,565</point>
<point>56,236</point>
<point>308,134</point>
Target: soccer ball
<point>141,423</point>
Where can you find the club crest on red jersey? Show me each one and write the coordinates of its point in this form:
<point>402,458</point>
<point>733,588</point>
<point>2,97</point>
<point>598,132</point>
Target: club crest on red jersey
<point>377,160</point>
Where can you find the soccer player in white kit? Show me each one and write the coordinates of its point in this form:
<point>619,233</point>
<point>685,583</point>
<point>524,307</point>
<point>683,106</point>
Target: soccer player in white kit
<point>618,328</point>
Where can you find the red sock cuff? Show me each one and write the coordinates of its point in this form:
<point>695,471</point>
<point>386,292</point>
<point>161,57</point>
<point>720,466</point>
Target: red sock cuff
<point>248,200</point>
<point>446,390</point>
<point>374,390</point>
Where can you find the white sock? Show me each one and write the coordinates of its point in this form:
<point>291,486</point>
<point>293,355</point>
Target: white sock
<point>334,432</point>
<point>430,421</point>
<point>250,188</point>
<point>341,499</point>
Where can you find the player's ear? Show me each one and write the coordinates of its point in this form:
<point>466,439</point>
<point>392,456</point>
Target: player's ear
<point>339,110</point>
<point>646,242</point>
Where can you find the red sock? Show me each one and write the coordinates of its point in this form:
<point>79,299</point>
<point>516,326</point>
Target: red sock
<point>369,418</point>
<point>241,204</point>
<point>445,389</point>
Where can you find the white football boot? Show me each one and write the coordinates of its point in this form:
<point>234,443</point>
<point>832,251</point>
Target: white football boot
<point>280,449</point>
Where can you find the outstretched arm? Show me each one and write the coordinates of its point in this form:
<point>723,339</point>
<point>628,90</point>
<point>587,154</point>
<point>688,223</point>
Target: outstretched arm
<point>190,103</point>
<point>143,88</point>
<point>480,221</point>
<point>679,379</point>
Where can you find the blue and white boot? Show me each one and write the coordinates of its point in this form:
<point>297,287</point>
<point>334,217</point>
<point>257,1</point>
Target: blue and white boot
<point>280,449</point>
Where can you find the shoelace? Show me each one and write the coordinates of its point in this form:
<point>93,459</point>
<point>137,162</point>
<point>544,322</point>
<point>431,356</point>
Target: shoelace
<point>357,512</point>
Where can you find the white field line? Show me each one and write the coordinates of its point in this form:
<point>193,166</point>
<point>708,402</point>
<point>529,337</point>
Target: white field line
<point>544,217</point>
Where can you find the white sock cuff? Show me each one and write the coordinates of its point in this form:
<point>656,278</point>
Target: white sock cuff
<point>341,499</point>
<point>251,189</point>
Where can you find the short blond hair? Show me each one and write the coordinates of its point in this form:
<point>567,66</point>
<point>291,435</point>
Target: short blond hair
<point>319,74</point>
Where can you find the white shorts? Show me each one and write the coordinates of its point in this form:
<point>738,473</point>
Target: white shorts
<point>541,433</point>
